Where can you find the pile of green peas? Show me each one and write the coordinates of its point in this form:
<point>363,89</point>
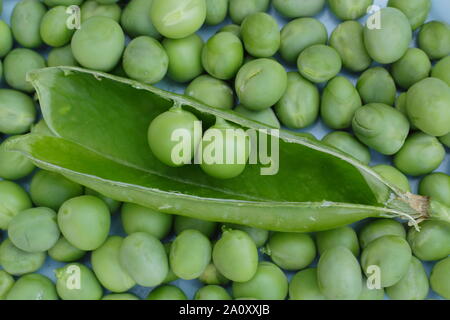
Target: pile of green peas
<point>240,67</point>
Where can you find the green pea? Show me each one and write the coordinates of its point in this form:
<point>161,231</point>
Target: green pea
<point>340,100</point>
<point>92,49</point>
<point>62,56</point>
<point>235,256</point>
<point>53,28</point>
<point>428,105</point>
<point>291,251</point>
<point>261,83</point>
<point>212,276</point>
<point>432,242</point>
<point>223,55</point>
<point>164,127</point>
<point>445,140</point>
<point>136,218</point>
<point>299,105</point>
<point>17,112</point>
<point>376,85</point>
<point>439,279</point>
<point>411,68</point>
<point>348,144</point>
<point>13,165</point>
<point>298,8</point>
<point>17,64</point>
<point>145,60</point>
<point>6,39</point>
<point>436,186</point>
<point>434,39</point>
<point>167,292</point>
<point>349,9</point>
<point>107,267</point>
<point>319,63</point>
<point>348,40</point>
<point>6,283</point>
<point>178,18</point>
<point>216,11</point>
<point>379,228</point>
<point>414,284</point>
<point>393,176</point>
<point>415,10</point>
<point>13,199</point>
<point>239,9</point>
<point>369,293</point>
<point>232,28</point>
<point>421,154</point>
<point>120,296</point>
<point>84,221</point>
<point>33,287</point>
<point>49,189</point>
<point>299,34</point>
<point>381,127</point>
<point>341,237</point>
<point>112,204</point>
<point>211,91</point>
<point>268,283</point>
<point>185,62</point>
<point>75,281</point>
<point>441,70</point>
<point>141,252</point>
<point>136,21</point>
<point>212,292</point>
<point>25,21</point>
<point>18,262</point>
<point>391,254</point>
<point>304,286</point>
<point>266,116</point>
<point>181,223</point>
<point>259,236</point>
<point>339,274</point>
<point>93,8</point>
<point>53,3</point>
<point>63,251</point>
<point>400,105</point>
<point>261,35</point>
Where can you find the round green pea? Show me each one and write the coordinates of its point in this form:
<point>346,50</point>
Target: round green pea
<point>177,19</point>
<point>376,85</point>
<point>414,284</point>
<point>164,127</point>
<point>441,70</point>
<point>13,199</point>
<point>62,56</point>
<point>436,186</point>
<point>391,254</point>
<point>145,60</point>
<point>239,9</point>
<point>17,112</point>
<point>112,204</point>
<point>167,292</point>
<point>232,28</point>
<point>299,105</point>
<point>434,39</point>
<point>93,8</point>
<point>33,287</point>
<point>212,276</point>
<point>261,83</point>
<point>341,237</point>
<point>411,68</point>
<point>235,256</point>
<point>379,228</point>
<point>63,251</point>
<point>53,28</point>
<point>304,286</point>
<point>75,281</point>
<point>428,106</point>
<point>25,21</point>
<point>291,251</point>
<point>17,64</point>
<point>120,296</point>
<point>136,21</point>
<point>369,293</point>
<point>421,154</point>
<point>84,221</point>
<point>432,242</point>
<point>141,252</point>
<point>266,116</point>
<point>223,55</point>
<point>213,92</point>
<point>393,176</point>
<point>339,274</point>
<point>439,279</point>
<point>348,40</point>
<point>181,223</point>
<point>259,236</point>
<point>185,61</point>
<point>17,262</point>
<point>216,11</point>
<point>319,63</point>
<point>381,127</point>
<point>348,144</point>
<point>268,283</point>
<point>349,9</point>
<point>50,189</point>
<point>212,292</point>
<point>6,283</point>
<point>13,164</point>
<point>298,8</point>
<point>136,218</point>
<point>6,39</point>
<point>98,44</point>
<point>261,35</point>
<point>415,10</point>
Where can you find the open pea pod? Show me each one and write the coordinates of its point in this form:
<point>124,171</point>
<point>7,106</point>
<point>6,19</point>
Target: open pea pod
<point>100,127</point>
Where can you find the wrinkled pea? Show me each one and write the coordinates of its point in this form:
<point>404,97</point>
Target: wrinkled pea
<point>414,284</point>
<point>411,68</point>
<point>266,116</point>
<point>319,63</point>
<point>439,279</point>
<point>377,86</point>
<point>13,199</point>
<point>92,8</point>
<point>212,292</point>
<point>167,292</point>
<point>17,262</point>
<point>240,9</point>
<point>6,39</point>
<point>136,21</point>
<point>341,237</point>
<point>304,286</point>
<point>393,176</point>
<point>63,251</point>
<point>13,165</point>
<point>213,92</point>
<point>349,9</point>
<point>415,10</point>
<point>437,186</point>
<point>62,56</point>
<point>298,8</point>
<point>25,21</point>
<point>261,35</point>
<point>434,39</point>
<point>441,70</point>
<point>379,228</point>
<point>348,144</point>
<point>216,11</point>
<point>432,242</point>
<point>88,287</point>
<point>32,287</point>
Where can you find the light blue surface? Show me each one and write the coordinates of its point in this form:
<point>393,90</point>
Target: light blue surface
<point>440,11</point>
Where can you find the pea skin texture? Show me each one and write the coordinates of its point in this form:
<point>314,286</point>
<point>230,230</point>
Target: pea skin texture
<point>213,92</point>
<point>261,35</point>
<point>349,9</point>
<point>167,292</point>
<point>208,228</point>
<point>136,21</point>
<point>53,29</point>
<point>177,19</point>
<point>319,63</point>
<point>348,144</point>
<point>389,42</point>
<point>344,237</point>
<point>136,218</point>
<point>145,60</point>
<point>212,292</point>
<point>216,11</point>
<point>379,228</point>
<point>13,199</point>
<point>25,21</point>
<point>434,39</point>
<point>98,44</point>
<point>394,176</point>
<point>415,10</point>
<point>93,8</point>
<point>376,85</point>
<point>88,287</point>
<point>261,83</point>
<point>432,242</point>
<point>6,39</point>
<point>304,286</point>
<point>33,287</point>
<point>17,262</point>
<point>439,280</point>
<point>239,9</point>
<point>84,221</point>
<point>411,68</point>
<point>266,116</point>
<point>63,251</point>
<point>298,8</point>
<point>441,70</point>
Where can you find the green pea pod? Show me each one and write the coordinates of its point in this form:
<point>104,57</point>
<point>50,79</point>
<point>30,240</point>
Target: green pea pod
<point>101,142</point>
